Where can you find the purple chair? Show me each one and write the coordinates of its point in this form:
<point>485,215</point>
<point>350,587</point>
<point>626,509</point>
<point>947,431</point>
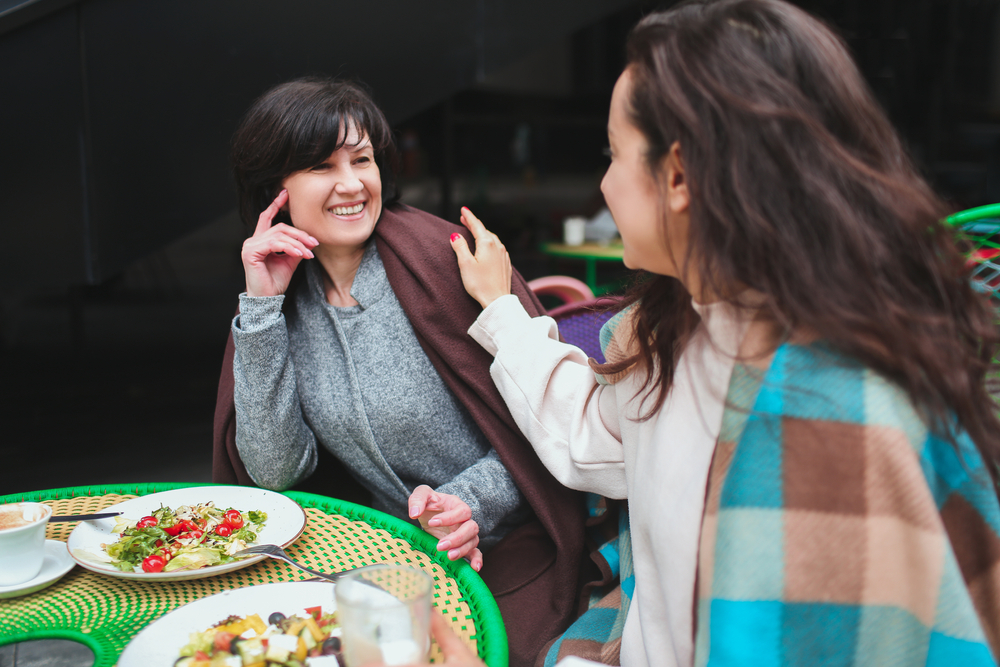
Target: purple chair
<point>580,323</point>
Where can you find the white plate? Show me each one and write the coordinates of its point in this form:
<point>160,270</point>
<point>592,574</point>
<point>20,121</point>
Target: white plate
<point>159,644</point>
<point>285,522</point>
<point>57,563</point>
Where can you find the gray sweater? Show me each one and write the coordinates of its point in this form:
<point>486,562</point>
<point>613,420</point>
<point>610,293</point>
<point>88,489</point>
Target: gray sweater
<point>356,381</point>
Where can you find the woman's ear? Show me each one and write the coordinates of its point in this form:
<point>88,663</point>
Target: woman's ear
<point>678,196</point>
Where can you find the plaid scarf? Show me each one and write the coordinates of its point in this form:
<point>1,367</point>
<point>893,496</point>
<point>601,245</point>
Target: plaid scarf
<point>838,529</point>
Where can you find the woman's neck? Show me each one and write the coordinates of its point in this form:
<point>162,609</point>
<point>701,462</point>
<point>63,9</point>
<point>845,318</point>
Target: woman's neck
<point>340,266</point>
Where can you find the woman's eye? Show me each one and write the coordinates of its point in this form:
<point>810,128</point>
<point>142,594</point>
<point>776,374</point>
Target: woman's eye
<point>363,160</point>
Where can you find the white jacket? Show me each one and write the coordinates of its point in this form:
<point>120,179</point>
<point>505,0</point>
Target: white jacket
<point>600,445</point>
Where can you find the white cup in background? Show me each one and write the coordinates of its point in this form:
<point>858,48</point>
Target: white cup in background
<point>22,541</point>
<point>384,614</point>
<point>574,230</point>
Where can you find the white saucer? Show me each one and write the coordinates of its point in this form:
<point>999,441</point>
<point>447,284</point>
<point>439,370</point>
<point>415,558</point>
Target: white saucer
<point>57,563</point>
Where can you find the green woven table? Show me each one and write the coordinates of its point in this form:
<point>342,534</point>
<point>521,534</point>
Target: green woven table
<point>104,613</point>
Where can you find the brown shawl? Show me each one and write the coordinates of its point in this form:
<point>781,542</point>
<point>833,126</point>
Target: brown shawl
<point>535,572</point>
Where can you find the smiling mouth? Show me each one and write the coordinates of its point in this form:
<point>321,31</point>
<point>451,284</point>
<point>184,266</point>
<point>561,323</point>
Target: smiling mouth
<point>348,210</point>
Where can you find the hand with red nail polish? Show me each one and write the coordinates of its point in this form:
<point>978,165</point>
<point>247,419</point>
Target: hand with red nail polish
<point>486,274</point>
<point>449,519</point>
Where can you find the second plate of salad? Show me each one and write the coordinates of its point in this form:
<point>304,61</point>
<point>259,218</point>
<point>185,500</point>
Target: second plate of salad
<point>186,635</point>
<point>186,533</point>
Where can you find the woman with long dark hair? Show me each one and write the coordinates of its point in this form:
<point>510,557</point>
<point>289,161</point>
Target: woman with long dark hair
<point>795,401</point>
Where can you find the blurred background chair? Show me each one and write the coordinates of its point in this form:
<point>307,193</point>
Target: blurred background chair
<point>581,315</point>
<point>564,288</point>
<point>580,323</point>
<point>980,228</point>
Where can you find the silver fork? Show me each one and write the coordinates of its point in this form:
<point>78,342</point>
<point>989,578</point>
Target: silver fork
<point>276,552</point>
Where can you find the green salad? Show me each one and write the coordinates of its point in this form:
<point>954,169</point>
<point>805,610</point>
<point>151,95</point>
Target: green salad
<point>188,538</point>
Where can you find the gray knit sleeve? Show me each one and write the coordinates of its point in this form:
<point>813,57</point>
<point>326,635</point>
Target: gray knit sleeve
<point>276,445</point>
<point>488,489</point>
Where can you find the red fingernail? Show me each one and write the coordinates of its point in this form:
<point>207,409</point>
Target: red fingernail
<point>455,237</point>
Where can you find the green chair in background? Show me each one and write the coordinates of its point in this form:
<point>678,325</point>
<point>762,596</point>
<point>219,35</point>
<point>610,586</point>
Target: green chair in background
<point>980,227</point>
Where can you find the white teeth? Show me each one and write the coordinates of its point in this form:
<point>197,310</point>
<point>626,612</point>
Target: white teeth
<point>348,210</point>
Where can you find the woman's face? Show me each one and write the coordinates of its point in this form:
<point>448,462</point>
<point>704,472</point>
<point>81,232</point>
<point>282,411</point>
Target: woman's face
<point>636,203</point>
<point>339,201</point>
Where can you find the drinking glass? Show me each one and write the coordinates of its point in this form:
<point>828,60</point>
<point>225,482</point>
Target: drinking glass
<point>384,615</point>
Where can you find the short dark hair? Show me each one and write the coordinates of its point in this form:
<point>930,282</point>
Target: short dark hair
<point>297,125</point>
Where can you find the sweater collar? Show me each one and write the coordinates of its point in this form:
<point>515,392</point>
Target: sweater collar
<point>370,282</point>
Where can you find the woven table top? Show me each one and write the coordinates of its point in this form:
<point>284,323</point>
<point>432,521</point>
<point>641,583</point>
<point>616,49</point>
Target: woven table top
<point>105,612</point>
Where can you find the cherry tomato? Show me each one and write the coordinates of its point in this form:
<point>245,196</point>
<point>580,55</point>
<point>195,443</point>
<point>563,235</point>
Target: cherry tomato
<point>153,563</point>
<point>146,522</point>
<point>196,533</point>
<point>187,526</point>
<point>223,530</point>
<point>234,519</point>
<point>159,543</point>
<point>315,612</point>
<point>174,529</point>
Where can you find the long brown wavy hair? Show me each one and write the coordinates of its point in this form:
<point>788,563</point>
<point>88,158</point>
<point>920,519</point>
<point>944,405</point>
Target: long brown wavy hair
<point>801,190</point>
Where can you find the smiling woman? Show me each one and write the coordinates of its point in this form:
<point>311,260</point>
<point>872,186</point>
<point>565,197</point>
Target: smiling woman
<point>337,202</point>
<point>351,339</point>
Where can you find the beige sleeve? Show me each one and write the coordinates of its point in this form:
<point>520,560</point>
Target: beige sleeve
<point>570,420</point>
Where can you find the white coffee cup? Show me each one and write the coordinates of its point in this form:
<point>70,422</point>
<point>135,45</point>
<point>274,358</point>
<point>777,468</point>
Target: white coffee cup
<point>574,231</point>
<point>22,541</point>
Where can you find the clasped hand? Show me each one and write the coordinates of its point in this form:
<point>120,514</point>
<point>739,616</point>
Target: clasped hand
<point>449,519</point>
<point>271,255</point>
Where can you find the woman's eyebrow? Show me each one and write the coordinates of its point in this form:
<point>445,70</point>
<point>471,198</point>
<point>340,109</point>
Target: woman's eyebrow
<point>357,148</point>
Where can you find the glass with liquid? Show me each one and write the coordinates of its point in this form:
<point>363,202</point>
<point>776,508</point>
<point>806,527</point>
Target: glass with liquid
<point>384,614</point>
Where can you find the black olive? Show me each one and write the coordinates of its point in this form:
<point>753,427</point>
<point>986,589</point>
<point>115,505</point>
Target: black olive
<point>331,645</point>
<point>275,618</point>
<point>232,645</point>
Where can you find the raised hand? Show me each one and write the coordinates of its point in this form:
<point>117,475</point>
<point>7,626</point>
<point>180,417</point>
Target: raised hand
<point>485,275</point>
<point>272,253</point>
<point>448,518</point>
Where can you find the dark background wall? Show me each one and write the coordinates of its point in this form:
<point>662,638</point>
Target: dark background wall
<point>121,264</point>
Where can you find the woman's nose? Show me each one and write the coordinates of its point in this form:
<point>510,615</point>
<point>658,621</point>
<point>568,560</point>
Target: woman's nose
<point>349,184</point>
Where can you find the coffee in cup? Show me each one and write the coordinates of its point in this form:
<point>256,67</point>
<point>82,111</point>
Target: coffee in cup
<point>22,541</point>
<point>19,514</point>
